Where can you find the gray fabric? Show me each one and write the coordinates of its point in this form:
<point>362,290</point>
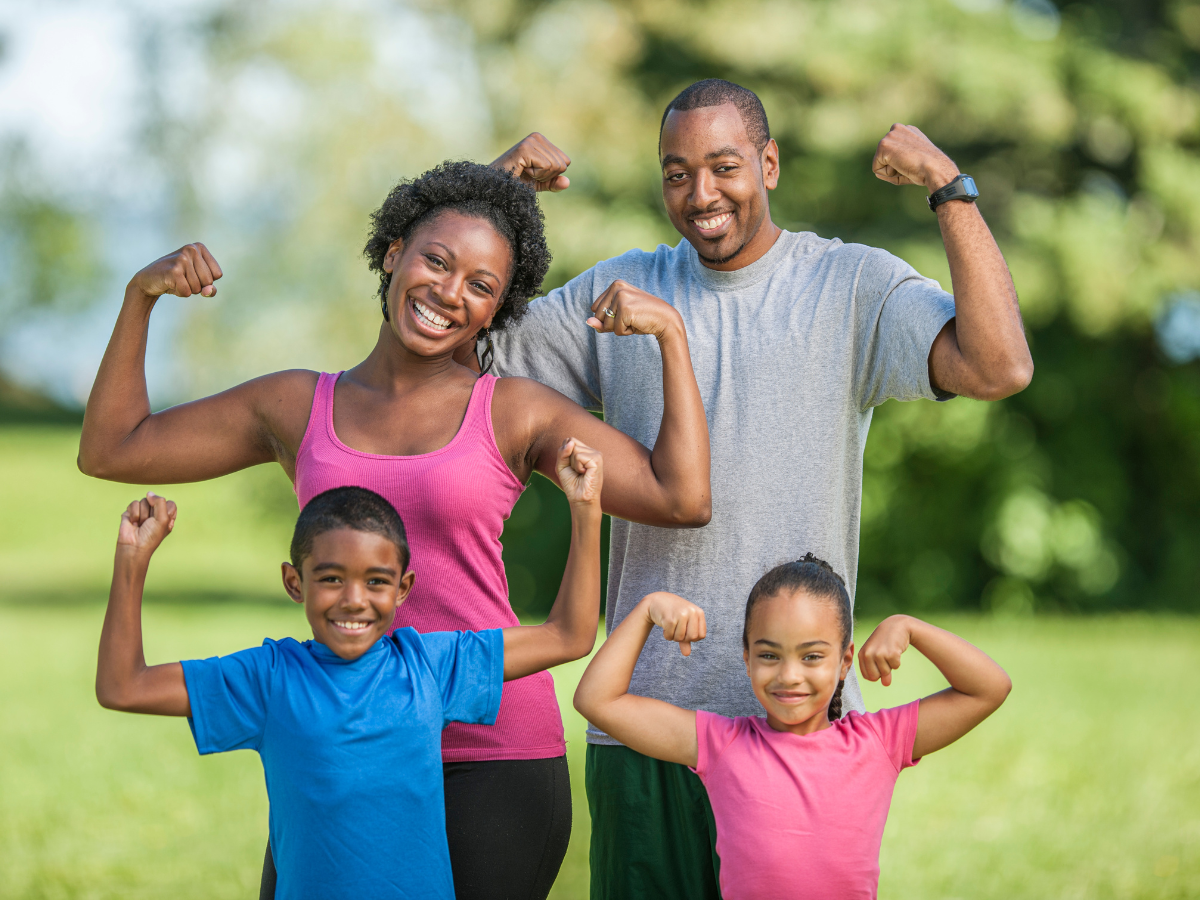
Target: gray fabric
<point>791,353</point>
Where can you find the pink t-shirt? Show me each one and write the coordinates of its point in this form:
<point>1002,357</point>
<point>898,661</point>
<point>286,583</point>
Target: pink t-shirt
<point>802,815</point>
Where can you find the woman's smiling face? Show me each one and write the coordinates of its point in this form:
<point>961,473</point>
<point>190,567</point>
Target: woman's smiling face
<point>447,282</point>
<point>795,659</point>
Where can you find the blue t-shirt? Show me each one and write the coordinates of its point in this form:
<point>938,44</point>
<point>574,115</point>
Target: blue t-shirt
<point>351,752</point>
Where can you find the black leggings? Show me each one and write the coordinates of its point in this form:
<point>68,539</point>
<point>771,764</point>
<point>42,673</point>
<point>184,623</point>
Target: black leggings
<point>508,823</point>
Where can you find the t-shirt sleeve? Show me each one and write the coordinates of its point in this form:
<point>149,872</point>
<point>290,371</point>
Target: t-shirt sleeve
<point>713,734</point>
<point>896,729</point>
<point>899,313</point>
<point>469,668</point>
<point>229,697</point>
<point>552,343</point>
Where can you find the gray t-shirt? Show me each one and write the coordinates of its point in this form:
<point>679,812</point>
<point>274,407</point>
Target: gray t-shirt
<point>791,354</point>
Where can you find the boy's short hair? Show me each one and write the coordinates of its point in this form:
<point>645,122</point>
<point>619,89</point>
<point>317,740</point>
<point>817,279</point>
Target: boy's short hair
<point>348,507</point>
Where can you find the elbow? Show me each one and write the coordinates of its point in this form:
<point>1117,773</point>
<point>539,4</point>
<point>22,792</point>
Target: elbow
<point>1011,379</point>
<point>111,697</point>
<point>94,464</point>
<point>695,514</point>
<point>582,703</point>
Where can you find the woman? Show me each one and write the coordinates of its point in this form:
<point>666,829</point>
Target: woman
<point>459,251</point>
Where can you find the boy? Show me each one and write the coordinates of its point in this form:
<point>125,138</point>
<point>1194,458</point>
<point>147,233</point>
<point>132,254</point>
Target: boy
<point>348,725</point>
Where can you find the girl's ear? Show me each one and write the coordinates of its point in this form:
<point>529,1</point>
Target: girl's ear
<point>847,661</point>
<point>291,582</point>
<point>746,659</point>
<point>395,248</point>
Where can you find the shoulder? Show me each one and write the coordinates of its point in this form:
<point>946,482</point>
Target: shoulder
<point>517,389</point>
<point>636,264</point>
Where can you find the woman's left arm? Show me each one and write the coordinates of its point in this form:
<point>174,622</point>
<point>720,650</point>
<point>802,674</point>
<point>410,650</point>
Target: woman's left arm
<point>666,486</point>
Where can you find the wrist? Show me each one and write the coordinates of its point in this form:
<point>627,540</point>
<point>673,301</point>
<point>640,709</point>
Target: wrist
<point>138,299</point>
<point>941,174</point>
<point>673,332</point>
<point>132,560</point>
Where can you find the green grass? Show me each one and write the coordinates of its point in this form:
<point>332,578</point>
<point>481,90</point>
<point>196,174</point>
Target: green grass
<point>1086,784</point>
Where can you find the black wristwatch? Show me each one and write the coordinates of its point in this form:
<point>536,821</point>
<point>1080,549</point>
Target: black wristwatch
<point>961,188</point>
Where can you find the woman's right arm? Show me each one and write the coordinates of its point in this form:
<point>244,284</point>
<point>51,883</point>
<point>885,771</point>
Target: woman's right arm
<point>256,422</point>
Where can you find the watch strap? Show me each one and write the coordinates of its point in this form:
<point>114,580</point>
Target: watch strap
<point>961,187</point>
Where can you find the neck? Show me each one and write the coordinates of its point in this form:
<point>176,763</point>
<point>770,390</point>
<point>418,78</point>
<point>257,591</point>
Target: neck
<point>392,366</point>
<point>811,725</point>
<point>753,250</point>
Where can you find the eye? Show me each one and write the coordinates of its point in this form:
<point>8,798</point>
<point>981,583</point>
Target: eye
<point>330,579</point>
<point>813,657</point>
<point>379,582</point>
<point>436,260</point>
<point>483,287</point>
<point>676,177</point>
<point>727,167</point>
<point>767,656</point>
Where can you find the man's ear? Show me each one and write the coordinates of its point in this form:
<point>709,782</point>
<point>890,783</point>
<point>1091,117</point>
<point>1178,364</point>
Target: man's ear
<point>847,661</point>
<point>291,582</point>
<point>770,165</point>
<point>395,248</point>
<point>406,584</point>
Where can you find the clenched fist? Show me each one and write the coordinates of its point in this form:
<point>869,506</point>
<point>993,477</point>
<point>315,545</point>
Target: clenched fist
<point>538,162</point>
<point>189,270</point>
<point>906,156</point>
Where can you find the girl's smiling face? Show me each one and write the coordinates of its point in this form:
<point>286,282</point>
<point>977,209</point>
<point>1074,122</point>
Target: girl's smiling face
<point>448,280</point>
<point>795,659</point>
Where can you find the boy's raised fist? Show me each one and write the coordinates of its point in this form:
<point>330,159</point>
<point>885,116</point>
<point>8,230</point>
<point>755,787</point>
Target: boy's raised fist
<point>580,472</point>
<point>189,270</point>
<point>146,523</point>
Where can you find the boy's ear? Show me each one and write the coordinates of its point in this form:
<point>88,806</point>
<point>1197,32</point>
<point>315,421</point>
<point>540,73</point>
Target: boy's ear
<point>847,661</point>
<point>291,582</point>
<point>406,585</point>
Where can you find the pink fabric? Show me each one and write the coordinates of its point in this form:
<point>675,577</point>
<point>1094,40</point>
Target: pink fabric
<point>453,502</point>
<point>802,815</point>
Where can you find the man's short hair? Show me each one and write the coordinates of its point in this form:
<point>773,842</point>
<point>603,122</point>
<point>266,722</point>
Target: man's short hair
<point>348,507</point>
<point>716,92</point>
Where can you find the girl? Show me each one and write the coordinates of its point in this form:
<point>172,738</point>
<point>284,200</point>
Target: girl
<point>459,251</point>
<point>800,798</point>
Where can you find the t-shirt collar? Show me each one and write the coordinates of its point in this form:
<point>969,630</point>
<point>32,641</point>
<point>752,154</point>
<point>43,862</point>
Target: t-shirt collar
<point>745,276</point>
<point>325,655</point>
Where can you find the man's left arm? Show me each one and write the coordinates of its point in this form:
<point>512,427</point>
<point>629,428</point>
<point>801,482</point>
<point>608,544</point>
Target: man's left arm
<point>981,352</point>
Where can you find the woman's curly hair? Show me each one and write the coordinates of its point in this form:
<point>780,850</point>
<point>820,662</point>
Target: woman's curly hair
<point>476,190</point>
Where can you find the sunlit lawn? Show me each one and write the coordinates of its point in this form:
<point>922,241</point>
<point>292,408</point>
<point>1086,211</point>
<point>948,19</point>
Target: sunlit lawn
<point>1086,784</point>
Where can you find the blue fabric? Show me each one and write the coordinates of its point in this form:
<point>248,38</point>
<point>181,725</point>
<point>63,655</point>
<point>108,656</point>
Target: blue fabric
<point>351,752</point>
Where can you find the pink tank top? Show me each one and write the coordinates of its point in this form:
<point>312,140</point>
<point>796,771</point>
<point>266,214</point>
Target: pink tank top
<point>453,502</point>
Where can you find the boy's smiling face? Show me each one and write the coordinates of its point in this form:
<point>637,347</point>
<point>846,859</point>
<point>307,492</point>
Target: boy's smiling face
<point>350,586</point>
<point>795,659</point>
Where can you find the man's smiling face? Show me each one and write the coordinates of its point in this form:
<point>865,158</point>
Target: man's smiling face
<point>715,184</point>
<point>350,586</point>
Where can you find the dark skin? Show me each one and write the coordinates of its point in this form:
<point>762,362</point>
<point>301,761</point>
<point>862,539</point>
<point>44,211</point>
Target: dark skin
<point>350,586</point>
<point>409,396</point>
<point>716,189</point>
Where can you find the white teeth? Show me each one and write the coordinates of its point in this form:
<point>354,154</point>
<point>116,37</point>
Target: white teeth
<point>430,316</point>
<point>353,626</point>
<point>714,222</point>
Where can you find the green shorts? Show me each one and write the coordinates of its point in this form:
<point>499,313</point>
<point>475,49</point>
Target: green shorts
<point>653,833</point>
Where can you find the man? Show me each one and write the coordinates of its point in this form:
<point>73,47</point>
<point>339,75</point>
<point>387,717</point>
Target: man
<point>794,340</point>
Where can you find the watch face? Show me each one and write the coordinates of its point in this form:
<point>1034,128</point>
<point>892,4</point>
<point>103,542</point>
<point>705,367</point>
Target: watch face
<point>968,185</point>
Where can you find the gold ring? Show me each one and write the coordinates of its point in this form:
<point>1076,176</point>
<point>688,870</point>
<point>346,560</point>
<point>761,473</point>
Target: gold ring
<point>610,313</point>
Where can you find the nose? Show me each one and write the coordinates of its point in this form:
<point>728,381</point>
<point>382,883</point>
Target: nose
<point>791,672</point>
<point>704,190</point>
<point>354,597</point>
<point>448,290</point>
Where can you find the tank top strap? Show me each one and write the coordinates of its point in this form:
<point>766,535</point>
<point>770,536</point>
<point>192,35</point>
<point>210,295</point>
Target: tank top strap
<point>478,420</point>
<point>320,417</point>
